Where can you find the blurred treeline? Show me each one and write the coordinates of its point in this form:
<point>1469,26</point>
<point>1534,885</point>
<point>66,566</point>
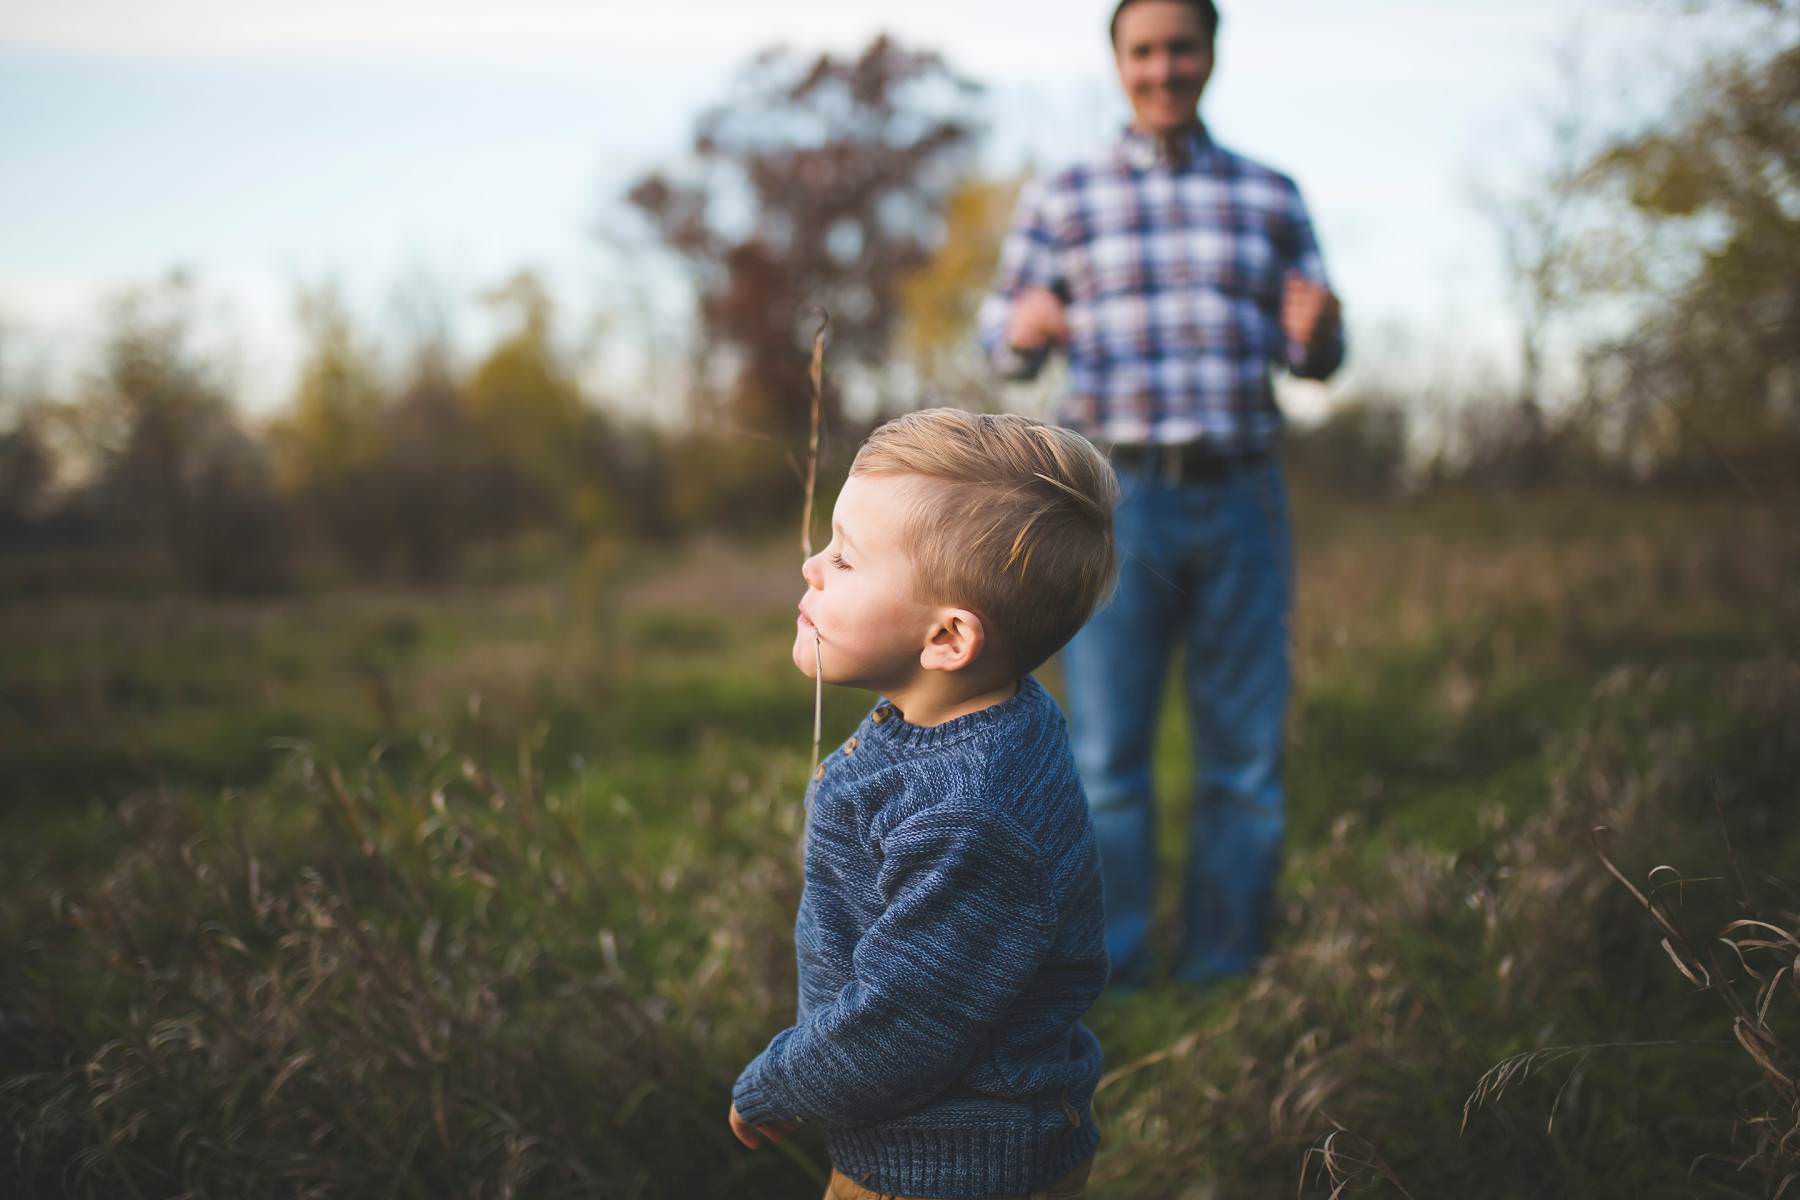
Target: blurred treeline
<point>388,473</point>
<point>851,186</point>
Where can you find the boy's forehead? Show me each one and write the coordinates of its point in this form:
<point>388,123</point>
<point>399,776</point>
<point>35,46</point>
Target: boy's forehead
<point>876,509</point>
<point>865,496</point>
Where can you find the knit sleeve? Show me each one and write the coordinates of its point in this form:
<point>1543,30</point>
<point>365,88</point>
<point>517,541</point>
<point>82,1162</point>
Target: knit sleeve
<point>964,929</point>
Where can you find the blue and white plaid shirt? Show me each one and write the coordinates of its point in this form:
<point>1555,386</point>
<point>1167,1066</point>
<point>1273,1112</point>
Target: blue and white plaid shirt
<point>1171,268</point>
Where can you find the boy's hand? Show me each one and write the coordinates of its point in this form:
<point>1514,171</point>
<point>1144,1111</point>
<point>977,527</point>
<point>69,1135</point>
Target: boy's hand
<point>754,1135</point>
<point>744,1131</point>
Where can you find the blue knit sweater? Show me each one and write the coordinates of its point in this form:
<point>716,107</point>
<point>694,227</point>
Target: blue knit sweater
<point>949,939</point>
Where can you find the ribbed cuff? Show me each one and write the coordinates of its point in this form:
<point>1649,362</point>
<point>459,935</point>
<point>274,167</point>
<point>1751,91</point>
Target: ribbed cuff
<point>1007,1161</point>
<point>755,1103</point>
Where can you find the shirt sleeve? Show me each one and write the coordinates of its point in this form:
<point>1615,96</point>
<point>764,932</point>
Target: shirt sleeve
<point>1027,260</point>
<point>964,930</point>
<point>1327,352</point>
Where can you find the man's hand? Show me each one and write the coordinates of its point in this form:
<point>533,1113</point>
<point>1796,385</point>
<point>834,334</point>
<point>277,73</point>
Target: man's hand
<point>1036,320</point>
<point>1307,309</point>
<point>753,1136</point>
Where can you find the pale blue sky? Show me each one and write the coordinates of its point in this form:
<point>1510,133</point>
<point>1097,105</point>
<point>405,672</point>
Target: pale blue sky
<point>260,144</point>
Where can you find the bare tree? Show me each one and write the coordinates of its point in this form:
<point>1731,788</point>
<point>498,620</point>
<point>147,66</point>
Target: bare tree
<point>1544,221</point>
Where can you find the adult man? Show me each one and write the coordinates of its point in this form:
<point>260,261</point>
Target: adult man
<point>1174,272</point>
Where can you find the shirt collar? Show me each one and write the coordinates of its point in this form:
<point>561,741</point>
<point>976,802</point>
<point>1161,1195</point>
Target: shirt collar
<point>1142,152</point>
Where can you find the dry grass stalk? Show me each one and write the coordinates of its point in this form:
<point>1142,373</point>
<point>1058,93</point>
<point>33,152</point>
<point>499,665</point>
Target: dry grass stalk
<point>1342,1159</point>
<point>816,372</point>
<point>1767,953</point>
<point>1516,1068</point>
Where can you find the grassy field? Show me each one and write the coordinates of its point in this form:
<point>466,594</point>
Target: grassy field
<point>488,891</point>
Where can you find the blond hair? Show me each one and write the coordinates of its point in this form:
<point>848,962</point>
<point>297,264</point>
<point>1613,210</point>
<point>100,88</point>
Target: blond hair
<point>1016,524</point>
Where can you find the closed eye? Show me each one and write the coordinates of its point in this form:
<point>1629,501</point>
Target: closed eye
<point>837,560</point>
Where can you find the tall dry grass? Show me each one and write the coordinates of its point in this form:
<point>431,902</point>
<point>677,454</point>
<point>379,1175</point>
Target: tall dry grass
<point>408,991</point>
<point>1358,1060</point>
<point>424,975</point>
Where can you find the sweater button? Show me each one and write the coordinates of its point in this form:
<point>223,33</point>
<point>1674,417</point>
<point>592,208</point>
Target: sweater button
<point>850,746</point>
<point>880,714</point>
<point>820,773</point>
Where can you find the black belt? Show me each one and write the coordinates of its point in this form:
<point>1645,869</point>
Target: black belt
<point>1184,462</point>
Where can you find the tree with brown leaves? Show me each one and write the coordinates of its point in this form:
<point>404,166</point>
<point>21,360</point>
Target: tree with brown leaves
<point>820,183</point>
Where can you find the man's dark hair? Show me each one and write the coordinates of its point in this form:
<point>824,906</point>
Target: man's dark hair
<point>1204,9</point>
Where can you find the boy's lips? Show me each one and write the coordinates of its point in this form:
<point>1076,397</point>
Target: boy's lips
<point>807,621</point>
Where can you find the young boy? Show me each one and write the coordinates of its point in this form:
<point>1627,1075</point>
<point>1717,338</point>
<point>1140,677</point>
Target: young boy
<point>950,932</point>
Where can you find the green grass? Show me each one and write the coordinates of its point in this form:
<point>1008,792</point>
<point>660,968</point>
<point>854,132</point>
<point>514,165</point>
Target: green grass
<point>489,889</point>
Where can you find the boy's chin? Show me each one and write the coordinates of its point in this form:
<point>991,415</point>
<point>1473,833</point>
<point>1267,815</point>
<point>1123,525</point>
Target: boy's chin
<point>804,659</point>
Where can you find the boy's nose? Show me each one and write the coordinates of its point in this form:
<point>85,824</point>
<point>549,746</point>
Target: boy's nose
<point>812,572</point>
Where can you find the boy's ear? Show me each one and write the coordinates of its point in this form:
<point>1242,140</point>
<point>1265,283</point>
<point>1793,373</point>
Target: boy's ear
<point>956,640</point>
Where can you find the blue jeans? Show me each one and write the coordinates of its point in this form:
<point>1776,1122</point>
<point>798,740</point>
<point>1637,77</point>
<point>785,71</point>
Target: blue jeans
<point>1207,566</point>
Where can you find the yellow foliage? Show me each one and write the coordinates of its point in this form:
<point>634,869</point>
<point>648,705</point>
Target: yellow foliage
<point>522,399</point>
<point>335,426</point>
<point>938,301</point>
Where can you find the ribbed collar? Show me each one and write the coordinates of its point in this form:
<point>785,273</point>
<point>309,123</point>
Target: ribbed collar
<point>1140,151</point>
<point>887,726</point>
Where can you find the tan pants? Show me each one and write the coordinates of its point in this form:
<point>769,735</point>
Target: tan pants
<point>1072,1186</point>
